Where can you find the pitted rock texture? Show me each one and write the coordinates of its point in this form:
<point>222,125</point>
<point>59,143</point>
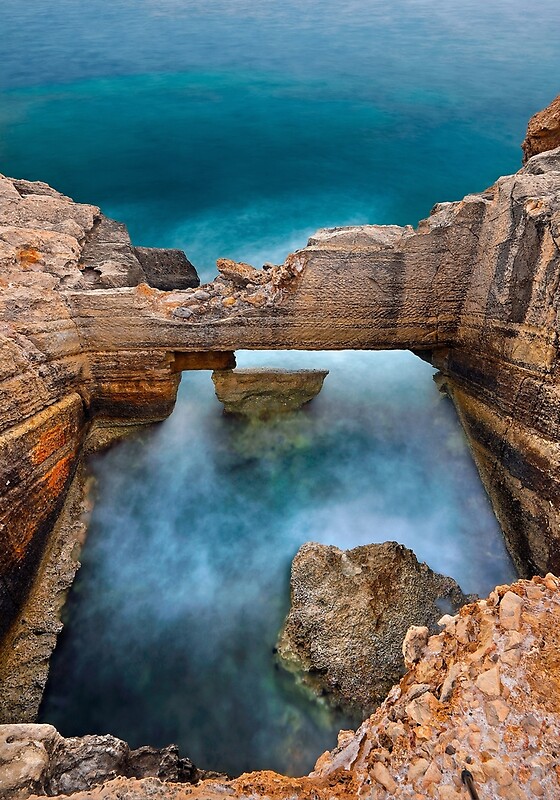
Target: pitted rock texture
<point>543,131</point>
<point>263,393</point>
<point>350,611</point>
<point>36,758</point>
<point>484,696</point>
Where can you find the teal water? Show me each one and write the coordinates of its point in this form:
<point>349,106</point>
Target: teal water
<point>236,129</point>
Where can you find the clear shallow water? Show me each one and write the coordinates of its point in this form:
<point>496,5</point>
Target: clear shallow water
<point>236,129</point>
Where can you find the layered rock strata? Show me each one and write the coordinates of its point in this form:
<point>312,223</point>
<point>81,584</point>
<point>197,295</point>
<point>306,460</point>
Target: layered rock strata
<point>474,288</point>
<point>85,339</point>
<point>349,613</point>
<point>262,392</point>
<point>480,705</point>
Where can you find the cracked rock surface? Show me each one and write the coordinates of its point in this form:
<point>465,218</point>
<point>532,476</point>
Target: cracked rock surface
<point>350,611</point>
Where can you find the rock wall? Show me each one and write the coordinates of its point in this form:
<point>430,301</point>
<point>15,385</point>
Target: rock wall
<point>86,341</point>
<point>51,391</point>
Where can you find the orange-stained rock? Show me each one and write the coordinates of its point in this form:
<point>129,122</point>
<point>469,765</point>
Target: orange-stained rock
<point>543,131</point>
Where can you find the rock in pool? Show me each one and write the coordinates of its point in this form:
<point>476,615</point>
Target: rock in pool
<point>263,393</point>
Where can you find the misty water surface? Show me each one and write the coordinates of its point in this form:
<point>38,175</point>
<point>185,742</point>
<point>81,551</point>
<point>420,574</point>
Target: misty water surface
<point>175,614</point>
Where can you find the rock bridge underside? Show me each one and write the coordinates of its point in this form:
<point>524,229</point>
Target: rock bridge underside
<point>95,334</point>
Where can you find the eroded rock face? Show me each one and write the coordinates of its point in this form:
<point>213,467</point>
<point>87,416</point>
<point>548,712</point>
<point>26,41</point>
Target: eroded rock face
<point>484,696</point>
<point>350,611</point>
<point>263,393</point>
<point>36,758</point>
<point>85,342</point>
<point>543,131</point>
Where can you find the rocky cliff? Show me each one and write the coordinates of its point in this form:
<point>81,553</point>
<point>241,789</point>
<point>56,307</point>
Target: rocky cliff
<point>93,341</point>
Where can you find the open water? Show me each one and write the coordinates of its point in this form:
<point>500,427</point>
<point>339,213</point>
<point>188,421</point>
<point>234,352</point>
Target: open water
<point>236,129</point>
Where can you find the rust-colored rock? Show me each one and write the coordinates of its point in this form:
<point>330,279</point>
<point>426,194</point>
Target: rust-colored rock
<point>543,131</point>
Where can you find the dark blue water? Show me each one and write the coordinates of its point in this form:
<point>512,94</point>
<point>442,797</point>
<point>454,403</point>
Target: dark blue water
<point>236,129</point>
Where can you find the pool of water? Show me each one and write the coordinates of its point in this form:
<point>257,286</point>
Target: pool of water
<point>185,579</point>
<point>230,128</point>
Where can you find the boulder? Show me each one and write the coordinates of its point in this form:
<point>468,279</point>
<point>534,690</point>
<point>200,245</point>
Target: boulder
<point>264,392</point>
<point>36,758</point>
<point>350,611</point>
<point>543,131</point>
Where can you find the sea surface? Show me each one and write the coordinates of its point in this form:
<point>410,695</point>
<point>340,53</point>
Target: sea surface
<point>237,129</point>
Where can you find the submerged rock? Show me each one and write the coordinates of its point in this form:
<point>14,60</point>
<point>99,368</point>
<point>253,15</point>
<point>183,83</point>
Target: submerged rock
<point>262,393</point>
<point>349,615</point>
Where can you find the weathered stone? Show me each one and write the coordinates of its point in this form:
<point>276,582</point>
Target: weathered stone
<point>241,274</point>
<point>489,682</point>
<point>349,613</point>
<point>35,758</point>
<point>495,770</point>
<point>422,709</point>
<point>543,131</point>
<point>417,769</point>
<point>414,642</point>
<point>25,756</point>
<point>262,393</point>
<point>449,682</point>
<point>496,711</point>
<point>167,269</point>
<point>510,611</point>
<point>383,776</point>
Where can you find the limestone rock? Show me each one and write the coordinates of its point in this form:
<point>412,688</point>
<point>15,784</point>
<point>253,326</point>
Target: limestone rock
<point>25,757</point>
<point>262,393</point>
<point>349,614</point>
<point>167,269</point>
<point>88,347</point>
<point>543,131</point>
<point>414,642</point>
<point>35,758</point>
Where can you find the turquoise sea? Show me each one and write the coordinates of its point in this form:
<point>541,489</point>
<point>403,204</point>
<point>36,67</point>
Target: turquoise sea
<point>237,129</point>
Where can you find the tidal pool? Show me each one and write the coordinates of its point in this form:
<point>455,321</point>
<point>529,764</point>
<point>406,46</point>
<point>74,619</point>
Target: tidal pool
<point>174,616</point>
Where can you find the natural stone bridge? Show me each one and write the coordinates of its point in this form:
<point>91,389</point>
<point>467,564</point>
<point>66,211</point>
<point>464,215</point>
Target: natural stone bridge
<point>94,339</point>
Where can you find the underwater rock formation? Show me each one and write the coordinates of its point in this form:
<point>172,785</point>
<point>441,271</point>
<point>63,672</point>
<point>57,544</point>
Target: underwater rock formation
<point>543,131</point>
<point>36,758</point>
<point>349,613</point>
<point>262,393</point>
<point>480,705</point>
